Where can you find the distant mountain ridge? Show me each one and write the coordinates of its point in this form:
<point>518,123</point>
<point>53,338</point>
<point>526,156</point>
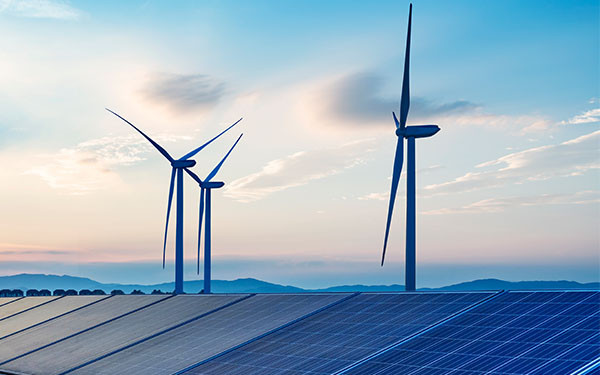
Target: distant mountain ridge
<point>249,285</point>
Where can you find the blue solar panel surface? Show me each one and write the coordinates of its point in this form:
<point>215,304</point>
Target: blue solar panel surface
<point>513,333</point>
<point>340,335</point>
<point>198,340</point>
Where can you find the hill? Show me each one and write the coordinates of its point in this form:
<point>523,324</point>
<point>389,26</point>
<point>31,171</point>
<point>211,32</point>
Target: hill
<point>249,285</point>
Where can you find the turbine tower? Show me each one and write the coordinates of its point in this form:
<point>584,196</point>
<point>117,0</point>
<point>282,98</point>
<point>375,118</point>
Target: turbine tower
<point>410,133</point>
<point>178,165</point>
<point>205,199</point>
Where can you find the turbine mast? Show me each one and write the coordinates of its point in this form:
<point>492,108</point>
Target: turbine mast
<point>411,225</point>
<point>207,276</point>
<point>179,235</point>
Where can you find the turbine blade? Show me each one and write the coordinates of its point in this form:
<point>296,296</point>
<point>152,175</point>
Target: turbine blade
<point>171,186</point>
<point>195,151</point>
<point>399,158</point>
<point>405,100</point>
<point>156,145</point>
<point>193,175</point>
<point>200,215</point>
<point>396,120</point>
<point>214,171</point>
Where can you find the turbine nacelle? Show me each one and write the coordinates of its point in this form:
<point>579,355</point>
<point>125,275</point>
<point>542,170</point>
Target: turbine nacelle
<point>212,184</point>
<point>183,163</point>
<point>417,131</point>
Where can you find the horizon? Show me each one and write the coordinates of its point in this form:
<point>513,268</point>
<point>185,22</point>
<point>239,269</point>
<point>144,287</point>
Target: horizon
<point>508,189</point>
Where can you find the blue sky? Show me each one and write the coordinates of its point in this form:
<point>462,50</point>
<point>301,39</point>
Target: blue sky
<point>509,188</point>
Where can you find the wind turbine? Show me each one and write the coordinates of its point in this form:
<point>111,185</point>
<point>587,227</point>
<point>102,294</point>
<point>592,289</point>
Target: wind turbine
<point>178,165</point>
<point>207,185</point>
<point>410,133</point>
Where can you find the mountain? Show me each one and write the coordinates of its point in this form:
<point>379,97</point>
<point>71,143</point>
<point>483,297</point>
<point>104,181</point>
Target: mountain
<point>39,281</point>
<point>495,284</point>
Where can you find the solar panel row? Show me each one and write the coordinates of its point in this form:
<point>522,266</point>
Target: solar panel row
<point>370,333</point>
<point>515,333</point>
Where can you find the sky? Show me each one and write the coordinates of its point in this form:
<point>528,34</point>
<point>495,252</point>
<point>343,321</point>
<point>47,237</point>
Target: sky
<point>509,188</point>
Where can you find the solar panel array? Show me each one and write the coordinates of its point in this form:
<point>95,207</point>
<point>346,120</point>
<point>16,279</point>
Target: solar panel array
<point>214,333</point>
<point>515,333</point>
<point>341,335</point>
<point>535,332</point>
<point>44,312</point>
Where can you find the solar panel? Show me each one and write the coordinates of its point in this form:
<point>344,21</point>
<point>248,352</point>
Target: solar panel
<point>210,335</point>
<point>514,333</point>
<point>22,304</point>
<point>87,345</point>
<point>340,335</point>
<point>66,325</point>
<point>5,300</point>
<point>44,312</point>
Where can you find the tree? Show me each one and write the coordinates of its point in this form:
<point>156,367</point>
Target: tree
<point>58,292</point>
<point>16,293</point>
<point>44,292</point>
<point>116,292</point>
<point>85,292</point>
<point>4,292</point>
<point>137,291</point>
<point>70,292</point>
<point>98,292</point>
<point>32,293</point>
<point>157,291</point>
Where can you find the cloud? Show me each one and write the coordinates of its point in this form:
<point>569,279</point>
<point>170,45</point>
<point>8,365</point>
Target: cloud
<point>593,115</point>
<point>384,196</point>
<point>357,100</point>
<point>570,158</point>
<point>89,165</point>
<point>183,92</point>
<point>298,169</point>
<point>40,9</point>
<point>495,205</point>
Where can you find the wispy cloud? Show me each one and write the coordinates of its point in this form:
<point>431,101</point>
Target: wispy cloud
<point>495,205</point>
<point>298,169</point>
<point>570,158</point>
<point>53,9</point>
<point>357,100</point>
<point>593,115</point>
<point>183,93</point>
<point>89,165</point>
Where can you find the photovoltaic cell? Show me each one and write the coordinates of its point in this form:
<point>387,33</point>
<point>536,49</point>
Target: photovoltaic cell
<point>77,321</point>
<point>340,335</point>
<point>514,333</point>
<point>44,312</point>
<point>5,300</point>
<point>93,343</point>
<point>22,304</point>
<point>210,335</point>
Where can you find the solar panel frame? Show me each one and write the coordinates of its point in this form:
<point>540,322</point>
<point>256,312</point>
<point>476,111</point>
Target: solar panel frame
<point>45,312</point>
<point>330,340</point>
<point>117,333</point>
<point>23,304</point>
<point>44,334</point>
<point>212,335</point>
<point>524,312</point>
<point>7,300</point>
